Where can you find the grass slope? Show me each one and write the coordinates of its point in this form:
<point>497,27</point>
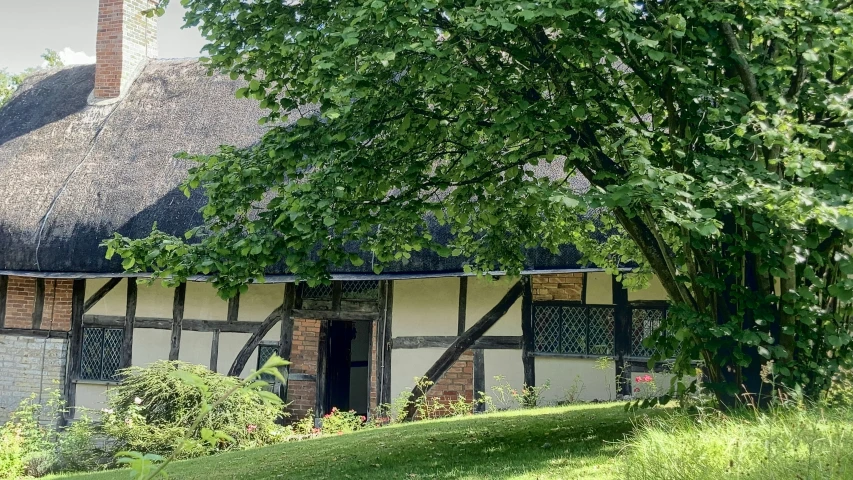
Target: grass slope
<point>576,442</point>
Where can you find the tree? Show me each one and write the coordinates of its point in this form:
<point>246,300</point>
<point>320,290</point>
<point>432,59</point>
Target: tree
<point>716,136</point>
<point>9,83</point>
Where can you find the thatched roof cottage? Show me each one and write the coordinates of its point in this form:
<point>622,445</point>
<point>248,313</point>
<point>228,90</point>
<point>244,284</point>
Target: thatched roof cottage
<point>86,151</point>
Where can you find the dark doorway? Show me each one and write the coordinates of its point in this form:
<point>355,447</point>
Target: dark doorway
<point>347,375</point>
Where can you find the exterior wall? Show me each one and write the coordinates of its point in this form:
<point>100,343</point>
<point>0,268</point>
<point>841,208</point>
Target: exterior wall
<point>301,393</point>
<point>566,374</point>
<point>483,294</point>
<point>557,286</point>
<point>20,304</point>
<point>29,366</point>
<point>654,291</point>
<point>599,288</point>
<point>426,307</point>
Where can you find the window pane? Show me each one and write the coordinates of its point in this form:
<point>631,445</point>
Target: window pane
<point>644,321</point>
<point>101,353</point>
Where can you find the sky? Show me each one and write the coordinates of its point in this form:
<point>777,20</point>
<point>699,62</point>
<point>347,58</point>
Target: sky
<point>28,27</point>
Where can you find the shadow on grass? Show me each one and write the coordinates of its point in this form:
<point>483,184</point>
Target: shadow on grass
<point>569,442</point>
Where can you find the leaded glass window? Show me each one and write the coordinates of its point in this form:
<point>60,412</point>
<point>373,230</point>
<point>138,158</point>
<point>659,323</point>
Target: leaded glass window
<point>101,353</point>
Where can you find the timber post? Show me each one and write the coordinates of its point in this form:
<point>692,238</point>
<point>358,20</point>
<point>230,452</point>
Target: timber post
<point>129,320</point>
<point>177,320</point>
<point>622,337</point>
<point>383,335</point>
<point>528,361</point>
<point>75,344</point>
<point>285,342</point>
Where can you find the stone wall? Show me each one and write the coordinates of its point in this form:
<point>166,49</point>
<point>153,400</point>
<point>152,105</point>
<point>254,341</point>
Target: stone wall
<point>557,286</point>
<point>29,365</point>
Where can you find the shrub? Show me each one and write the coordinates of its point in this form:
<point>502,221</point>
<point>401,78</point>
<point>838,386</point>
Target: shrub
<point>340,422</point>
<point>32,444</point>
<point>152,409</point>
<point>785,442</point>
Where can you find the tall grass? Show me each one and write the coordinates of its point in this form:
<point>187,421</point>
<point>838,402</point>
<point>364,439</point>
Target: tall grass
<point>786,442</point>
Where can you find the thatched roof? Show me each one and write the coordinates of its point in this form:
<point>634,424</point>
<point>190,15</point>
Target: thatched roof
<point>72,174</point>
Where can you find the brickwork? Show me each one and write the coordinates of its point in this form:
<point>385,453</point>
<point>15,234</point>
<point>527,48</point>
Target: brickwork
<point>558,286</point>
<point>457,382</point>
<point>29,366</point>
<point>20,303</point>
<point>125,39</point>
<point>303,357</point>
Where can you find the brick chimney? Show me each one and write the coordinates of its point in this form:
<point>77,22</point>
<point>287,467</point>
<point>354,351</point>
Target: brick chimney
<point>126,39</point>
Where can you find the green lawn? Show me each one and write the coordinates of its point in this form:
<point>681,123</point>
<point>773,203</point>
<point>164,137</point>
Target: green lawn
<point>550,443</point>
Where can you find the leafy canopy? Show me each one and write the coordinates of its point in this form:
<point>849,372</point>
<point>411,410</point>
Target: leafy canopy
<point>716,137</point>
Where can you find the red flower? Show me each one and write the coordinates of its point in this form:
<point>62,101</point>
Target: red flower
<point>363,418</point>
<point>647,378</point>
<point>638,379</point>
<point>251,428</point>
<point>326,416</point>
<point>637,390</point>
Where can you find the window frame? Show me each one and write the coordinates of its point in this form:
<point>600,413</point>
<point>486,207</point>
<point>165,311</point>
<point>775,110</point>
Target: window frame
<point>631,309</point>
<point>102,376</point>
<point>586,326</point>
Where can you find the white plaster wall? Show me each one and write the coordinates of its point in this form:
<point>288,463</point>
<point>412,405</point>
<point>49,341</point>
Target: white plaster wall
<point>150,345</point>
<point>154,301</point>
<point>406,364</point>
<point>599,288</point>
<point>426,307</point>
<point>202,303</point>
<point>565,372</point>
<point>229,346</point>
<point>91,396</point>
<point>483,294</point>
<point>654,291</point>
<point>259,301</point>
<point>113,303</point>
<point>195,347</point>
<point>505,363</point>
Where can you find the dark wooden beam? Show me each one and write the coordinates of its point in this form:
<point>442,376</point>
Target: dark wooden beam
<point>337,294</point>
<point>335,315</point>
<point>491,342</point>
<point>32,332</point>
<point>622,337</point>
<point>383,335</point>
<point>214,352</point>
<point>38,304</point>
<point>583,289</point>
<point>129,321</point>
<point>528,341</point>
<point>177,320</point>
<point>322,367</point>
<point>370,364</point>
<point>479,379</point>
<point>462,343</point>
<point>285,339</point>
<point>75,347</point>
<point>166,324</point>
<point>233,308</point>
<point>101,293</point>
<point>252,343</point>
<point>4,288</point>
<point>463,305</point>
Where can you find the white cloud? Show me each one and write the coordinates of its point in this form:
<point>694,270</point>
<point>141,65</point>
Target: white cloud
<point>70,57</point>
